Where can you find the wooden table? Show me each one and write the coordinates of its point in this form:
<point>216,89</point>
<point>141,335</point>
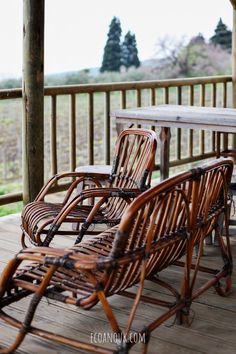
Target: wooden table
<point>167,116</point>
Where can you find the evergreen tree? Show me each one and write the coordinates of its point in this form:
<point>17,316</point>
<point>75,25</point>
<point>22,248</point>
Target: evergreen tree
<point>112,51</point>
<point>222,36</point>
<point>129,55</point>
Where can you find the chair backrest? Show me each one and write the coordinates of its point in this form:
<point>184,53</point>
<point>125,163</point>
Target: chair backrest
<point>134,159</point>
<point>213,193</point>
<point>133,163</point>
<point>157,225</point>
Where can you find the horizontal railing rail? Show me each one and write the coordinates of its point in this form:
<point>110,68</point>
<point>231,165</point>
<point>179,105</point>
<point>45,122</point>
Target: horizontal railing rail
<point>79,130</point>
<point>119,86</point>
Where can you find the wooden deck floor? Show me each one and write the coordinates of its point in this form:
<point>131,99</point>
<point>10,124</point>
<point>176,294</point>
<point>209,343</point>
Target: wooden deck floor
<point>213,329</point>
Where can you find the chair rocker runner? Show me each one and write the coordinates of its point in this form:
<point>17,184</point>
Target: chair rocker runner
<point>131,174</point>
<point>157,230</point>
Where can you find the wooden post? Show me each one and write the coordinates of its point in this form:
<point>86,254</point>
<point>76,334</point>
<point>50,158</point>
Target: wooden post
<point>165,136</point>
<point>33,98</point>
<point>234,57</point>
<point>233,2</point>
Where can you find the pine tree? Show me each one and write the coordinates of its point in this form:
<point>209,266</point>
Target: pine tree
<point>222,36</point>
<point>112,51</point>
<point>129,55</point>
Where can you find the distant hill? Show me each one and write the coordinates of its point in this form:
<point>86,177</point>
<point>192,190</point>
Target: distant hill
<point>90,71</point>
<point>5,76</point>
<point>90,75</point>
<point>93,71</point>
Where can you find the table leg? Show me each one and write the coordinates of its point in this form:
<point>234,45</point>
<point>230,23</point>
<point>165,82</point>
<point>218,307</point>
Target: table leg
<point>165,136</point>
<point>119,128</point>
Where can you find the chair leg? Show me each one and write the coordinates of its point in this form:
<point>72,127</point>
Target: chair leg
<point>23,244</point>
<point>145,348</point>
<point>122,349</point>
<point>227,260</point>
<point>26,324</point>
<point>82,232</point>
<point>19,339</point>
<point>209,240</point>
<point>30,241</point>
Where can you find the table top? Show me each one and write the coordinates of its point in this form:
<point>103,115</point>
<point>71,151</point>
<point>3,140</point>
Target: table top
<point>167,115</point>
<point>101,170</point>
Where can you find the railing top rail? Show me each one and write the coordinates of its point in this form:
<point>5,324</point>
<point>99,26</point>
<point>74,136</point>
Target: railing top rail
<point>10,93</point>
<point>119,86</point>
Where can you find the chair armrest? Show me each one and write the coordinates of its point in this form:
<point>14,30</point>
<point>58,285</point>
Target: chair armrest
<point>110,192</point>
<point>103,193</point>
<point>72,259</point>
<point>79,177</point>
<point>66,258</point>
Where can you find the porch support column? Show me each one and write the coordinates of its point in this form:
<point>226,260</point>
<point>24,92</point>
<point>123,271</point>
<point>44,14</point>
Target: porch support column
<point>234,53</point>
<point>233,2</point>
<point>33,98</point>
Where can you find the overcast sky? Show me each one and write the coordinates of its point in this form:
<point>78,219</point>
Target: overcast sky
<point>76,30</point>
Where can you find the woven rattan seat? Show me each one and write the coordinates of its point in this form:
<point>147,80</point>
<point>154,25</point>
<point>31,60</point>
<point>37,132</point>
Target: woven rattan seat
<point>37,215</point>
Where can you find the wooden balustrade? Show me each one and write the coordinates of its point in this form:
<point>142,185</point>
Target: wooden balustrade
<point>98,100</point>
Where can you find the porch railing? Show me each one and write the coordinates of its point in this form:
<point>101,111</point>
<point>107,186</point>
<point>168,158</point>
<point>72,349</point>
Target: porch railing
<point>79,130</point>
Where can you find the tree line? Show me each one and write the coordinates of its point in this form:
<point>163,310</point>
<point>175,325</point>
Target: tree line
<point>196,57</point>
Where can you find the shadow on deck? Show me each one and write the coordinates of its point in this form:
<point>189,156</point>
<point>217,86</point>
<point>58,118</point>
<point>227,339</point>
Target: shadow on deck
<point>212,330</point>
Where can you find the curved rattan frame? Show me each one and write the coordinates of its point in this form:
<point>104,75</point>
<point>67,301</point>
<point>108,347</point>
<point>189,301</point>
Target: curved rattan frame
<point>159,227</point>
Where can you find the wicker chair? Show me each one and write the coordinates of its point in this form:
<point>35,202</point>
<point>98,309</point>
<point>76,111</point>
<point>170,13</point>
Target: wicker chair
<point>131,174</point>
<point>157,230</point>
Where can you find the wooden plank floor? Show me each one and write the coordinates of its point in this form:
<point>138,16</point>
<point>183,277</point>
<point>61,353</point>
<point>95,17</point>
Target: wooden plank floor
<point>213,329</point>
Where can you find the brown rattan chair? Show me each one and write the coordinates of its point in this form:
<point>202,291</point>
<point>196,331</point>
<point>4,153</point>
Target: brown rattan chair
<point>156,231</point>
<point>131,174</point>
